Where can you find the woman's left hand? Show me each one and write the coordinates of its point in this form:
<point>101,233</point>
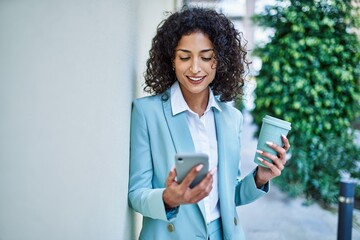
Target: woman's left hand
<point>274,169</point>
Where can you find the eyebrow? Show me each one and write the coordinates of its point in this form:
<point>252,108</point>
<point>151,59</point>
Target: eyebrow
<point>188,51</point>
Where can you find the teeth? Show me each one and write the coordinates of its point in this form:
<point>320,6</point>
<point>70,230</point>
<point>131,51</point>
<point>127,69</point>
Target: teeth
<point>195,78</point>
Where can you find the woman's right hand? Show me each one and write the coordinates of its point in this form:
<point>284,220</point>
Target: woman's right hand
<point>176,194</point>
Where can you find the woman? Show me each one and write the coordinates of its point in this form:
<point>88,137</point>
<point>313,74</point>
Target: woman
<point>196,65</point>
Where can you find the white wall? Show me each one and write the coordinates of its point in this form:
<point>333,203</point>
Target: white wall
<point>150,14</point>
<point>67,70</point>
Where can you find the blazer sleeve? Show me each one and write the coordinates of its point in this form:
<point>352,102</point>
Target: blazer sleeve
<point>246,190</point>
<point>142,197</point>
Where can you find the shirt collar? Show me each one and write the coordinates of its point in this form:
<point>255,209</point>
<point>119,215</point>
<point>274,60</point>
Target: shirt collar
<point>181,105</point>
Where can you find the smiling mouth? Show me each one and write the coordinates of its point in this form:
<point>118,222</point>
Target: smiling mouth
<point>196,79</point>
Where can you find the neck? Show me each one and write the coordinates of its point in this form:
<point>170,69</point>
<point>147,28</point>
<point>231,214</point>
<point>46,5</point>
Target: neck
<point>197,102</point>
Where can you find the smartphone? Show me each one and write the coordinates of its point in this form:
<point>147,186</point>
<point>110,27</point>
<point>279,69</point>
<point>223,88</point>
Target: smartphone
<point>184,162</point>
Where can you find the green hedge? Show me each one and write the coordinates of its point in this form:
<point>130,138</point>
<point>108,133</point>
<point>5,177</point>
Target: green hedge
<point>310,76</point>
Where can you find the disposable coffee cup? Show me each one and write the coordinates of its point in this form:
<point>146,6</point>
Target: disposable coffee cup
<point>271,131</point>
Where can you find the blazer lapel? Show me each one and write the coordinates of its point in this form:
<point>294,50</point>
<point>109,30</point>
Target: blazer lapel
<point>223,165</point>
<point>180,134</point>
<point>178,127</point>
<point>219,124</point>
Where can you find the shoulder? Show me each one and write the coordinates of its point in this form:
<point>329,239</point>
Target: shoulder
<point>148,101</point>
<point>230,111</point>
<point>149,105</point>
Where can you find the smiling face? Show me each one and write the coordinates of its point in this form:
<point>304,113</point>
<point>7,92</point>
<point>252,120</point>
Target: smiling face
<point>195,64</point>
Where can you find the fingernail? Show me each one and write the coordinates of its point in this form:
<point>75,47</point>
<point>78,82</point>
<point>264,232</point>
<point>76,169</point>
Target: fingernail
<point>259,151</point>
<point>213,171</point>
<point>260,159</point>
<point>283,136</point>
<point>269,143</point>
<point>199,167</point>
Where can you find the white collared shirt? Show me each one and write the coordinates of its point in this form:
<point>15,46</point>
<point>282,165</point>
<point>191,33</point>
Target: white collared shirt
<point>203,133</point>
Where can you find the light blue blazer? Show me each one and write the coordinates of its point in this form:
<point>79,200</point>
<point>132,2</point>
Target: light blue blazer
<point>156,135</point>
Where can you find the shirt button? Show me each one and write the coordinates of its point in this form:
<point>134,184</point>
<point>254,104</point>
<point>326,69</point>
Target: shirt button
<point>165,97</point>
<point>170,227</point>
<point>235,221</point>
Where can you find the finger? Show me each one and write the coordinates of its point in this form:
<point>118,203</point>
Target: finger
<point>208,179</point>
<point>279,163</point>
<point>191,176</point>
<point>277,160</point>
<point>263,161</point>
<point>212,171</point>
<point>276,171</point>
<point>281,152</point>
<point>286,142</point>
<point>171,177</point>
<point>203,189</point>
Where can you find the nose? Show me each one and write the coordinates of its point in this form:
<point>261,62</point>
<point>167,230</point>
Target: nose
<point>195,67</point>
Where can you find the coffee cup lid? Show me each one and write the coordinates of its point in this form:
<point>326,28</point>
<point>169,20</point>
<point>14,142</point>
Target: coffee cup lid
<point>277,122</point>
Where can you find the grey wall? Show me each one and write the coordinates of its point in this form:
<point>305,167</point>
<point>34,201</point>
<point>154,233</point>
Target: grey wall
<point>66,84</point>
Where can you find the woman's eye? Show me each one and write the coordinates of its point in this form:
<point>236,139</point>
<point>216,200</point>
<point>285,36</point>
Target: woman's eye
<point>206,59</point>
<point>184,58</point>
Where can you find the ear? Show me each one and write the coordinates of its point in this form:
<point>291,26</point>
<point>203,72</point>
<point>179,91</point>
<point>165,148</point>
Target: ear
<point>214,64</point>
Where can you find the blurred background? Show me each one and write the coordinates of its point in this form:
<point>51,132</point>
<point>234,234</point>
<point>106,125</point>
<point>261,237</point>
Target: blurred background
<point>68,73</point>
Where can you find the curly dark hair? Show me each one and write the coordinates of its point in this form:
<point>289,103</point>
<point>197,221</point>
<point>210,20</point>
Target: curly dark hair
<point>230,54</point>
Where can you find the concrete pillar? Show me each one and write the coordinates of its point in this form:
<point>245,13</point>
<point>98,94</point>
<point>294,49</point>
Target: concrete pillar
<point>67,70</point>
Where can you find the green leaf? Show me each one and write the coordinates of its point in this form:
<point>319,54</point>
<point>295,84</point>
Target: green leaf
<point>310,76</point>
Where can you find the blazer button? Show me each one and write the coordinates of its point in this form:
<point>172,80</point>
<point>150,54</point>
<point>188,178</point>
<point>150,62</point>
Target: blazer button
<point>170,227</point>
<point>235,221</point>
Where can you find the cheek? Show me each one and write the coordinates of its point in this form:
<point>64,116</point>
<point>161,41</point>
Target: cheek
<point>212,74</point>
<point>179,70</point>
<point>177,73</point>
<point>180,66</point>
